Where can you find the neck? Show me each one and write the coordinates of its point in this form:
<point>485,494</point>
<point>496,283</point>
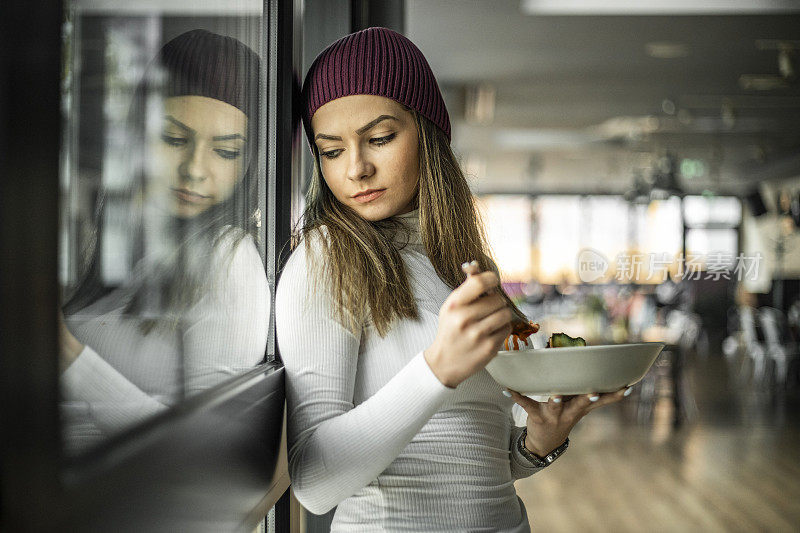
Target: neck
<point>410,235</point>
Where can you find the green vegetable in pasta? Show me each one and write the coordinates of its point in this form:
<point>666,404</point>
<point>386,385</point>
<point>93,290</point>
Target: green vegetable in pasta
<point>561,340</point>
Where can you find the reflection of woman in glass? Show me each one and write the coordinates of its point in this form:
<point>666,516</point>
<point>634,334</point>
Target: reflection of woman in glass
<point>194,310</point>
<point>384,325</point>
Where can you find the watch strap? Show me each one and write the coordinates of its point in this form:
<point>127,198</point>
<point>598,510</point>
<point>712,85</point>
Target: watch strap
<point>537,461</point>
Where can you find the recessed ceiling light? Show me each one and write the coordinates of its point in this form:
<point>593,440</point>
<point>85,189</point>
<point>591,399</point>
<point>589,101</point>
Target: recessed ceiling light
<point>542,139</point>
<point>667,49</point>
<point>756,82</point>
<point>786,63</point>
<point>655,7</point>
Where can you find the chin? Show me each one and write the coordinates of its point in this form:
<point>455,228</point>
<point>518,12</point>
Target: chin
<point>375,213</point>
<point>185,212</point>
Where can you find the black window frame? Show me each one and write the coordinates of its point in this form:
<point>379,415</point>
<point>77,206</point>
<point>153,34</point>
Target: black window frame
<point>215,462</point>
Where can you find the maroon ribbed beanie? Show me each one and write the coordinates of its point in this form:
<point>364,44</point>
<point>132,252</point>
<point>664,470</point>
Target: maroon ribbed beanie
<point>202,63</point>
<point>375,61</point>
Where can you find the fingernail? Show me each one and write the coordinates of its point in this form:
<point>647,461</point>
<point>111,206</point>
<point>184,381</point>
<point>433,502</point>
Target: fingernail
<point>556,399</point>
<point>594,398</point>
<point>506,393</point>
<point>628,391</point>
<point>474,263</point>
<point>464,265</point>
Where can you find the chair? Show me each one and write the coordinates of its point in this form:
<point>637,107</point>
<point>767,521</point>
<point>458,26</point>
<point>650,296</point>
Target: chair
<point>752,341</point>
<point>667,377</point>
<point>779,346</point>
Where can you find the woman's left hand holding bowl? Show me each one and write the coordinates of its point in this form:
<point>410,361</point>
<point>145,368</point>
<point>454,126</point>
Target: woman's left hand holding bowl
<point>549,423</point>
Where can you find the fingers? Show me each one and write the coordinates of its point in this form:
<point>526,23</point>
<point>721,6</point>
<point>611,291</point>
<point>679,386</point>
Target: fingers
<point>565,409</point>
<point>483,307</point>
<point>498,337</point>
<point>609,398</point>
<point>471,268</point>
<point>580,405</point>
<point>530,405</point>
<point>555,406</point>
<point>473,287</point>
<point>496,321</point>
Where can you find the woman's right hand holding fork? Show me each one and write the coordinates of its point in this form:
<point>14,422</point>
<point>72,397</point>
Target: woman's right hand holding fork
<point>473,323</point>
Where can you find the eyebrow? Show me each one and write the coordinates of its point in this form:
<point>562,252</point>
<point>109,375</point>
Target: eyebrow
<point>190,130</point>
<point>179,123</point>
<point>359,131</point>
<point>229,137</point>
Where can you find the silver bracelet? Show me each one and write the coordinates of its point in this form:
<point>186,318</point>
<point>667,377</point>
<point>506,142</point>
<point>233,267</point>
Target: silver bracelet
<point>537,461</point>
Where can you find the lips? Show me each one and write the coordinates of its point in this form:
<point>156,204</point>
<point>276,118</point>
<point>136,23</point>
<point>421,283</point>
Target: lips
<point>368,191</point>
<point>368,195</point>
<point>188,196</point>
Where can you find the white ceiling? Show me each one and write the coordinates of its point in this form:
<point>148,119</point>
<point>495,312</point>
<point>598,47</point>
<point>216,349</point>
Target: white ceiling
<point>559,80</point>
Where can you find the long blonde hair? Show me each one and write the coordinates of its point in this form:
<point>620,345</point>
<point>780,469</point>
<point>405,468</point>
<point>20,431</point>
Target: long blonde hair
<point>362,267</point>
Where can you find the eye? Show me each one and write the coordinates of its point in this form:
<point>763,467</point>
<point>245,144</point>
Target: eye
<point>227,154</point>
<point>331,154</point>
<point>380,141</point>
<point>173,140</point>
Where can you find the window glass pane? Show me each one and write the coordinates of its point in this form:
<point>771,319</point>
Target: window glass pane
<point>657,242</point>
<point>597,238</point>
<point>700,210</point>
<point>162,223</point>
<point>717,247</point>
<point>606,228</point>
<point>558,223</point>
<point>508,229</point>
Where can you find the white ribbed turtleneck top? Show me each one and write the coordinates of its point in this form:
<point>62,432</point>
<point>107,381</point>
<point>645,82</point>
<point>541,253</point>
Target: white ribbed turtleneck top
<point>372,430</point>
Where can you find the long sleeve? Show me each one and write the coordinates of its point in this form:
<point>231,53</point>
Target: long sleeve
<point>227,335</point>
<point>335,447</point>
<point>520,466</point>
<point>114,401</point>
<point>224,334</point>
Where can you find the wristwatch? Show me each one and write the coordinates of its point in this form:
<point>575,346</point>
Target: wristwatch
<point>537,461</point>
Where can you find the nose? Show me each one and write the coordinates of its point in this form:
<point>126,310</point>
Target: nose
<point>194,167</point>
<point>359,167</point>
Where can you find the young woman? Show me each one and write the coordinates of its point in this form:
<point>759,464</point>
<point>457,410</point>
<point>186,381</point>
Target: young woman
<point>390,308</point>
<point>195,309</point>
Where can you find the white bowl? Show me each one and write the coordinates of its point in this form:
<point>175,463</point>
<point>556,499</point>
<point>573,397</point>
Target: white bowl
<point>574,370</point>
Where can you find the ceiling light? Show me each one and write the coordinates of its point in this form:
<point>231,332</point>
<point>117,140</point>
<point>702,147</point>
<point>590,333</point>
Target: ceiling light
<point>627,127</point>
<point>149,7</point>
<point>656,7</point>
<point>777,44</point>
<point>728,114</point>
<point>785,63</point>
<point>541,139</point>
<point>756,82</point>
<point>667,49</point>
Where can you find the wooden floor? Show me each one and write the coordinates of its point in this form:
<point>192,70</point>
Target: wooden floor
<point>735,466</point>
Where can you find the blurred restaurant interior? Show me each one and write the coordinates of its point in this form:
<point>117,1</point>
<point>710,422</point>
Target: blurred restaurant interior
<point>637,168</point>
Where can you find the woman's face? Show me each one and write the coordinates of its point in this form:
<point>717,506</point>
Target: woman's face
<point>200,153</point>
<point>368,144</point>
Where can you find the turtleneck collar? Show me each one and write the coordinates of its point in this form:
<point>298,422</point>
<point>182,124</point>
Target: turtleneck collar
<point>412,236</point>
